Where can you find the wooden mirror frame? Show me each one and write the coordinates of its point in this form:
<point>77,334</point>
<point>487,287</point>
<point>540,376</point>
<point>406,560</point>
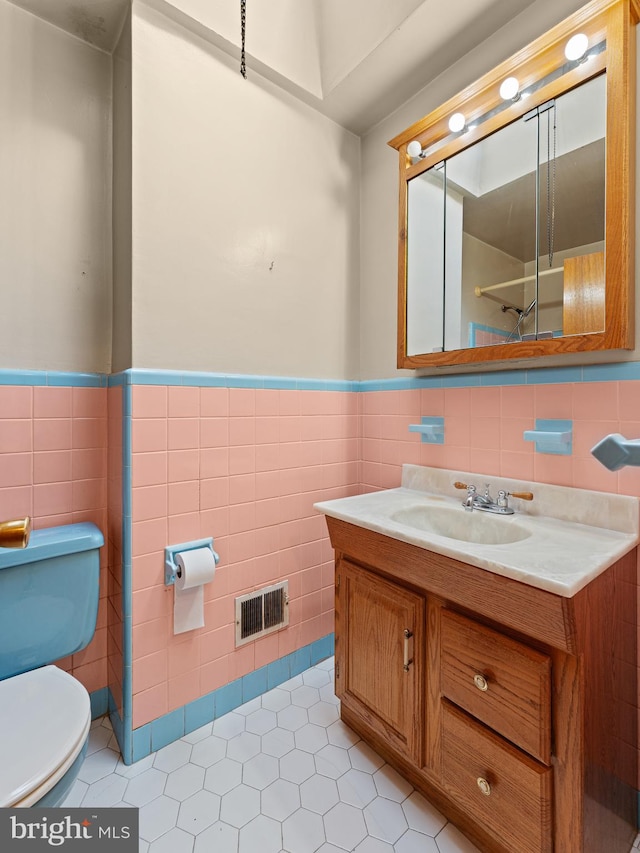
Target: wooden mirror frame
<point>613,20</point>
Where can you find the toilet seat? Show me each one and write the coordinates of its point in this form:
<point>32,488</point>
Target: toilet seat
<point>45,717</point>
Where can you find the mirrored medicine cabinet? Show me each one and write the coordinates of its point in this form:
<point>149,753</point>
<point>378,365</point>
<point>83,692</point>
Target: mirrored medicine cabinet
<point>516,210</point>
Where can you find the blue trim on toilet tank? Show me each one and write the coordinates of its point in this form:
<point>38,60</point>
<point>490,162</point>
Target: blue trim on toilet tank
<point>53,542</point>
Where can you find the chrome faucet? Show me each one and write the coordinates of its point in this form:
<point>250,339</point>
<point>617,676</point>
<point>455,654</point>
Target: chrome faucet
<point>486,503</point>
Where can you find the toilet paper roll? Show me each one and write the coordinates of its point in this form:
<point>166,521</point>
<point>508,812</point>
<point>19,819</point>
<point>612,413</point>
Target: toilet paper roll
<point>195,568</point>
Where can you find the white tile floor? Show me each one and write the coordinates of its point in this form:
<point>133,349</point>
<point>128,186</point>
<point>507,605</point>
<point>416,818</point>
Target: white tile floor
<point>281,773</point>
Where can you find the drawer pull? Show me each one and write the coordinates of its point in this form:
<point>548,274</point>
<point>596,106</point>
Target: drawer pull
<point>481,682</point>
<point>407,660</point>
<point>484,786</point>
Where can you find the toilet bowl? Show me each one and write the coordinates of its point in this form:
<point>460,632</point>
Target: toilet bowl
<point>48,608</point>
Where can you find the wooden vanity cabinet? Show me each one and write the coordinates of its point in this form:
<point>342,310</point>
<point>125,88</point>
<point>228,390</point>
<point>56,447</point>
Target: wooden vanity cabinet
<point>511,708</point>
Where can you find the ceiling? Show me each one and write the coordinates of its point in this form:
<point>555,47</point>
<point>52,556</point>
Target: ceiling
<point>407,47</point>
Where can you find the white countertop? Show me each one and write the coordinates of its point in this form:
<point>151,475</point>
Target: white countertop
<point>571,535</point>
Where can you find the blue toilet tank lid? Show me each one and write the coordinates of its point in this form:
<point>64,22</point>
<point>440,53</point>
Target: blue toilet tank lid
<point>53,542</point>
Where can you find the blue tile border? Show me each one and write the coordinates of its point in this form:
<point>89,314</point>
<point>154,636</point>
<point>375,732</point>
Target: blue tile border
<point>164,730</point>
<point>616,371</point>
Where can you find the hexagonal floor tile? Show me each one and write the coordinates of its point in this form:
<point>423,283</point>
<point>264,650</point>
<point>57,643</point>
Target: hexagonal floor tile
<point>341,735</point>
<point>240,806</point>
<point>198,812</point>
<point>332,761</point>
<point>390,784</point>
<point>184,782</point>
<point>374,845</point>
<point>243,746</point>
<point>171,757</point>
<point>385,820</point>
<point>364,758</point>
<point>280,799</point>
<point>276,699</point>
<point>105,792</point>
<point>261,721</point>
<point>451,840</point>
<point>206,752</point>
<point>218,837</point>
<point>344,826</point>
<point>175,841</point>
<point>305,697</point>
<point>357,788</point>
<point>422,816</point>
<point>260,771</point>
<point>293,718</point>
<point>278,742</point>
<point>415,842</point>
<point>99,765</point>
<point>263,834</point>
<point>158,817</point>
<point>229,725</point>
<point>223,776</point>
<point>311,738</point>
<point>296,766</point>
<point>145,787</point>
<point>315,677</point>
<point>323,714</point>
<point>319,794</point>
<point>303,832</point>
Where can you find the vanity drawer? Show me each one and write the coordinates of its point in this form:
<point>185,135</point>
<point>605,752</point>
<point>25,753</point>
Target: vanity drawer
<point>502,682</point>
<point>507,792</point>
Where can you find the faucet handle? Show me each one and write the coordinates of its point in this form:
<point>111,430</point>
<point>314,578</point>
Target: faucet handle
<point>459,485</point>
<point>524,496</point>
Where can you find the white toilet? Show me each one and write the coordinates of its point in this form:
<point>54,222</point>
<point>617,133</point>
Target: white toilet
<point>48,608</point>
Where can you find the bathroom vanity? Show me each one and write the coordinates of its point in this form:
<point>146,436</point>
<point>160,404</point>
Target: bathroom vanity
<point>496,672</point>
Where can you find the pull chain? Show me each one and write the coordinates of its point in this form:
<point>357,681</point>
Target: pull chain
<point>243,31</point>
<point>551,184</point>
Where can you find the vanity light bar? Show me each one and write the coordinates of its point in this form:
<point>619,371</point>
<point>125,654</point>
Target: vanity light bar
<point>577,50</point>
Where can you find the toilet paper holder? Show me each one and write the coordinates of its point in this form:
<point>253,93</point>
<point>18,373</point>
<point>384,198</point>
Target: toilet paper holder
<point>170,552</point>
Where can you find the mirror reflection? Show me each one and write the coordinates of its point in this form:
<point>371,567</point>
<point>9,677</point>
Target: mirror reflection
<point>505,240</point>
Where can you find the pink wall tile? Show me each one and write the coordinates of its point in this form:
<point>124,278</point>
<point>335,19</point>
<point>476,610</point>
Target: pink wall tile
<point>149,502</point>
<point>242,402</point>
<point>183,465</point>
<point>214,402</point>
<point>517,401</point>
<point>16,401</point>
<point>553,401</point>
<point>148,435</point>
<point>150,704</point>
<point>16,436</point>
<point>88,403</point>
<point>184,497</point>
<point>183,528</point>
<point>149,401</point>
<point>89,432</point>
<point>593,400</point>
<point>52,499</point>
<point>16,469</point>
<point>149,469</point>
<point>52,402</point>
<point>183,402</point>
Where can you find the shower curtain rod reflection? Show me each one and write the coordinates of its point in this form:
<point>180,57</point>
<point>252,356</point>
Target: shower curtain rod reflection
<point>480,291</point>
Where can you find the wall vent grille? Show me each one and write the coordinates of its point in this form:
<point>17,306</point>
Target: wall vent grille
<point>262,612</point>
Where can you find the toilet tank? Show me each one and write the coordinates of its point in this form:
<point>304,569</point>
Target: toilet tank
<point>48,596</point>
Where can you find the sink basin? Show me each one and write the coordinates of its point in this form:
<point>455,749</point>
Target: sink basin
<point>475,526</point>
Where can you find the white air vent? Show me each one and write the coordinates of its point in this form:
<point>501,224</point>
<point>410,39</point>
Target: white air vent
<point>262,612</point>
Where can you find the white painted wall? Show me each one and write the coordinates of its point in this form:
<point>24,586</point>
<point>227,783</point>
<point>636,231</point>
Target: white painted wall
<point>121,345</point>
<point>245,218</point>
<point>55,214</point>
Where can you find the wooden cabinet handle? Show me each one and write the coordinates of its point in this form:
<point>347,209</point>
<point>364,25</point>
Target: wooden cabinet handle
<point>484,786</point>
<point>480,682</point>
<point>407,660</point>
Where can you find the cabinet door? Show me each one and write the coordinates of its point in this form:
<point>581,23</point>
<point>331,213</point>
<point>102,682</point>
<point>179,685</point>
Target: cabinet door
<point>380,656</point>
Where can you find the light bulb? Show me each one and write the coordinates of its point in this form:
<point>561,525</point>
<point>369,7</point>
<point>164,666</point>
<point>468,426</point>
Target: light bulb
<point>576,47</point>
<point>457,122</point>
<point>509,89</point>
<point>414,149</point>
